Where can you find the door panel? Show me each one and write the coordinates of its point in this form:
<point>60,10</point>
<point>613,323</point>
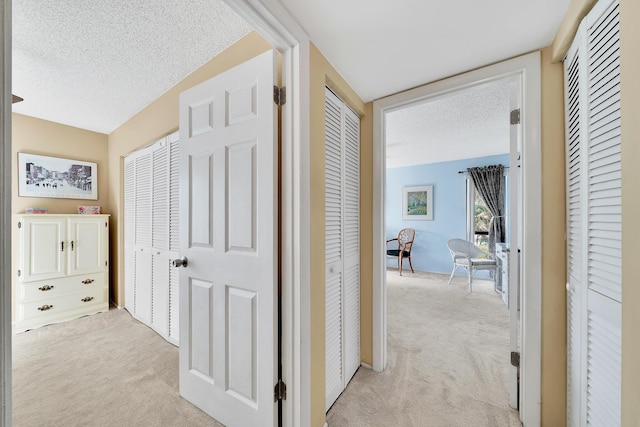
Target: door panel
<point>87,247</point>
<point>228,327</point>
<point>44,246</point>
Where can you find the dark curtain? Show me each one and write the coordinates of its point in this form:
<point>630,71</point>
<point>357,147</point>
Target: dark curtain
<point>489,182</point>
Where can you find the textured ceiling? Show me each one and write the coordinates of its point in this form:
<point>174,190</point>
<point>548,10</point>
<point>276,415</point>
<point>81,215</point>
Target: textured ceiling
<point>382,47</point>
<point>93,64</point>
<point>470,123</point>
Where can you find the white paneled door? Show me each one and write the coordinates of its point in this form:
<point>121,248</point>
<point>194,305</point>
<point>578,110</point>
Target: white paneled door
<point>228,235</point>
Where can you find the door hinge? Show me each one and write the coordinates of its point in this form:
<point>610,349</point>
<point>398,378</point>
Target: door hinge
<point>515,117</point>
<point>19,224</point>
<point>515,359</point>
<point>279,95</point>
<point>280,391</point>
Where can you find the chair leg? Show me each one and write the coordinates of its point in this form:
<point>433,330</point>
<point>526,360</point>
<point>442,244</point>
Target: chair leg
<point>470,274</point>
<point>400,264</point>
<point>452,273</point>
<point>410,265</point>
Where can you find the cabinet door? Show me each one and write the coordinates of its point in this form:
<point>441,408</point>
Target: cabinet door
<point>87,244</point>
<point>43,248</point>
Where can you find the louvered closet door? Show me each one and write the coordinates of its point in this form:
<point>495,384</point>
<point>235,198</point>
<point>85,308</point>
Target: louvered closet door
<point>174,236</point>
<point>351,242</point>
<point>594,284</point>
<point>129,232</point>
<point>576,228</point>
<point>604,216</point>
<point>160,238</point>
<point>151,224</point>
<point>333,248</point>
<point>142,254</point>
<point>342,237</point>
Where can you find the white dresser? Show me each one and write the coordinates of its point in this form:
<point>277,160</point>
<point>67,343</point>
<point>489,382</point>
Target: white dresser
<point>63,268</point>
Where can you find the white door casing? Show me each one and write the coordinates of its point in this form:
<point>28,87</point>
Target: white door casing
<point>228,234</point>
<point>515,138</point>
<point>528,68</point>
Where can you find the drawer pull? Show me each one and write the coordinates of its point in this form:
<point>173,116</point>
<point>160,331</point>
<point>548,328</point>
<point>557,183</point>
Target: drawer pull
<point>86,299</point>
<point>45,307</point>
<point>45,288</point>
<point>87,281</point>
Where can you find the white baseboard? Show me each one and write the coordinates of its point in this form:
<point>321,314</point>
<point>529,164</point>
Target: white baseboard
<point>366,365</point>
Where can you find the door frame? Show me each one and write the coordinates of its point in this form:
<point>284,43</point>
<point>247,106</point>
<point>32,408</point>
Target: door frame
<point>275,24</point>
<point>5,216</point>
<point>527,69</point>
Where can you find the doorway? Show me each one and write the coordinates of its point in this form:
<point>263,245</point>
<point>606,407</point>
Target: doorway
<point>526,70</point>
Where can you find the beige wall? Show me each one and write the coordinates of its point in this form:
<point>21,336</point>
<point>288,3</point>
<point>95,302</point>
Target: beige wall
<point>155,121</point>
<point>553,338</point>
<point>323,74</point>
<point>36,136</point>
<point>630,83</point>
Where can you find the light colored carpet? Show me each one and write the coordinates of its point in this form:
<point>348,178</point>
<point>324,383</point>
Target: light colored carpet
<point>102,370</point>
<point>448,355</point>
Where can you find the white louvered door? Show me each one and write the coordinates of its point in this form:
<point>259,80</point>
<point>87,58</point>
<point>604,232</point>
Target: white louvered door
<point>575,120</point>
<point>151,235</point>
<point>342,251</point>
<point>604,217</point>
<point>594,221</point>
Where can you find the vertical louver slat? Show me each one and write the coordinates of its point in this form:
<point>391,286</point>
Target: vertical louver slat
<point>129,232</point>
<point>605,207</point>
<point>174,305</point>
<point>160,198</point>
<point>174,237</point>
<point>351,243</point>
<point>174,193</point>
<point>575,232</point>
<point>143,200</point>
<point>333,183</point>
<point>604,217</point>
<point>603,371</point>
<point>333,337</point>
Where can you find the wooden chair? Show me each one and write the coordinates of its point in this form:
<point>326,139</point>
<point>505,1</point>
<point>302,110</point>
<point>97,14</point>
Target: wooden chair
<point>405,242</point>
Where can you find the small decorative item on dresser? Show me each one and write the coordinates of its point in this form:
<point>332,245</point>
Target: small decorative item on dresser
<point>36,210</point>
<point>89,210</point>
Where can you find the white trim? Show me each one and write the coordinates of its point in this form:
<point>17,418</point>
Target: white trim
<point>275,24</point>
<point>528,67</point>
<point>5,219</point>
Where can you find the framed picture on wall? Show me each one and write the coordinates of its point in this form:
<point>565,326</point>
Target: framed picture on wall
<point>55,177</point>
<point>417,203</point>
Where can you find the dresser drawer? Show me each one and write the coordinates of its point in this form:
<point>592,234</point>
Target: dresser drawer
<point>53,288</point>
<point>53,307</point>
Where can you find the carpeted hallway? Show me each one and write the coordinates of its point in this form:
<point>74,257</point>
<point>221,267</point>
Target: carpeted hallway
<point>448,352</point>
<point>447,367</point>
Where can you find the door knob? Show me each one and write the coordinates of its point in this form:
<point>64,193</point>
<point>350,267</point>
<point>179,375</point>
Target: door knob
<point>180,262</point>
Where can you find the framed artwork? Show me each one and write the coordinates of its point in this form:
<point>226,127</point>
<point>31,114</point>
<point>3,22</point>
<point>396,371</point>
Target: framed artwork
<point>55,177</point>
<point>417,203</point>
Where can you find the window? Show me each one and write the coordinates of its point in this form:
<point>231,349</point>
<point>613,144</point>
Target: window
<point>478,217</point>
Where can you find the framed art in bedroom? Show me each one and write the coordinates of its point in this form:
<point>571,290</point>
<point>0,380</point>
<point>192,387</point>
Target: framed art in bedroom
<point>55,177</point>
<point>417,203</point>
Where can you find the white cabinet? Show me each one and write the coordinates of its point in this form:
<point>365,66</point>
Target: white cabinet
<point>151,240</point>
<point>63,270</point>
